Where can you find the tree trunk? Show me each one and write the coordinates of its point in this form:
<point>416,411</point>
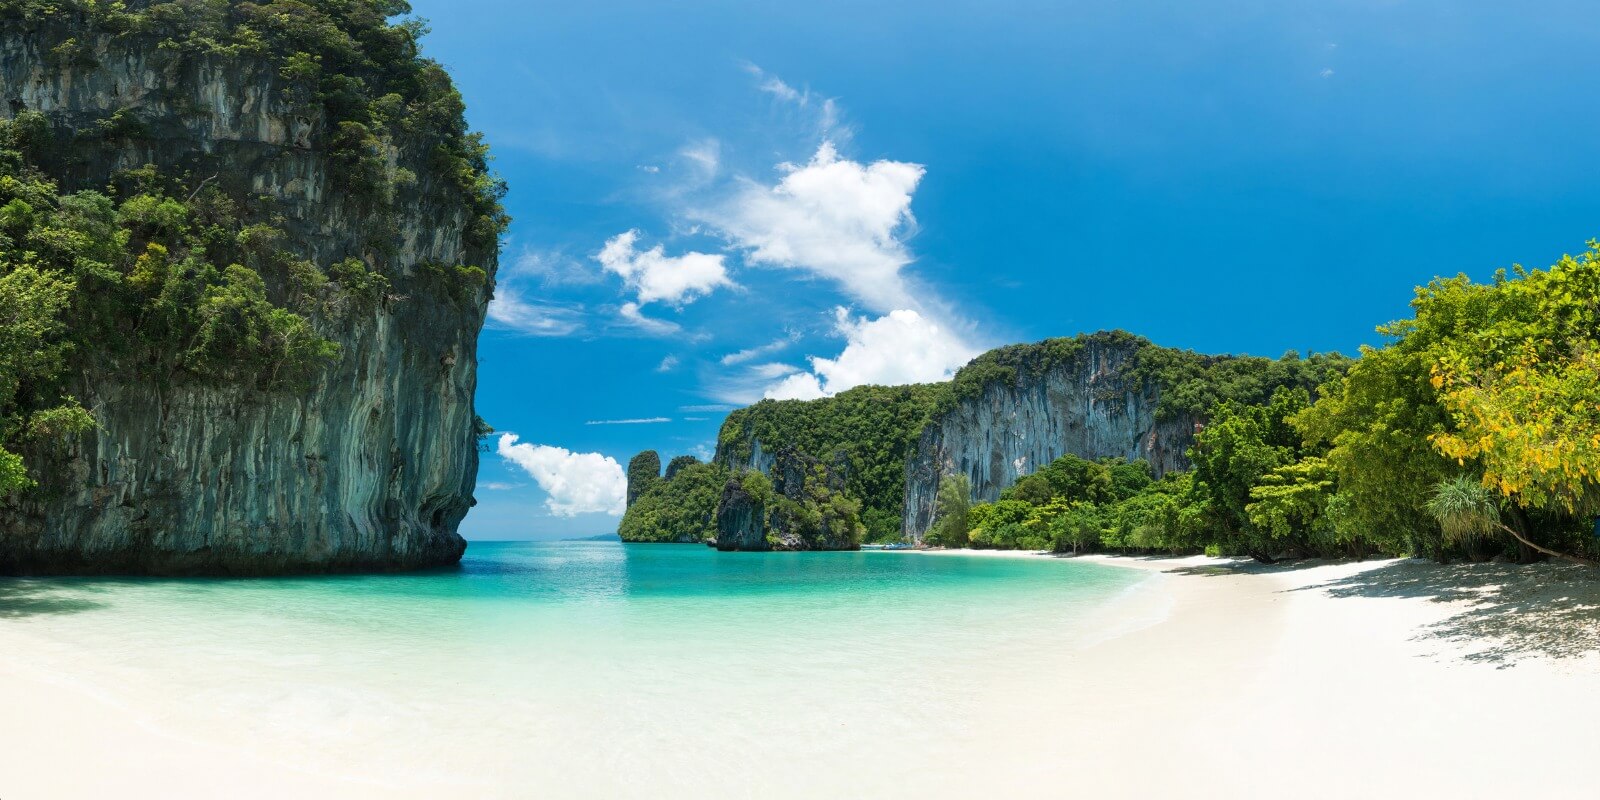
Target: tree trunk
<point>1547,551</point>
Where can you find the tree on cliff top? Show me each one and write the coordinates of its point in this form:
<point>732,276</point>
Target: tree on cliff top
<point>644,472</point>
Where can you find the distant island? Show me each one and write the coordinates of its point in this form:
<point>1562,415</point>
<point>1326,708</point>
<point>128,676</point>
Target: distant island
<point>1470,435</point>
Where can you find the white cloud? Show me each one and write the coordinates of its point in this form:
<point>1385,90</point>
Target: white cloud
<point>577,483</point>
<point>550,268</point>
<point>773,85</point>
<point>747,384</point>
<point>631,314</point>
<point>658,276</point>
<point>508,310</point>
<point>704,155</point>
<point>825,109</point>
<point>799,386</point>
<point>706,408</point>
<point>833,217</point>
<point>900,347</point>
<point>667,364</point>
<point>499,486</point>
<point>1327,72</point>
<point>512,307</point>
<point>650,168</point>
<point>753,353</point>
<point>638,421</point>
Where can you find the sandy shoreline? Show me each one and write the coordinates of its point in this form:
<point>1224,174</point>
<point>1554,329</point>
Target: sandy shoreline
<point>1216,678</point>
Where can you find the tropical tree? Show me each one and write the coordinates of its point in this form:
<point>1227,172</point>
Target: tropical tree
<point>951,506</point>
<point>1524,386</point>
<point>1465,509</point>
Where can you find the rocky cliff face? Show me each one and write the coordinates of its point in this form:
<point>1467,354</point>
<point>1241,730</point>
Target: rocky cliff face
<point>741,520</point>
<point>371,468</point>
<point>795,509</point>
<point>1088,405</point>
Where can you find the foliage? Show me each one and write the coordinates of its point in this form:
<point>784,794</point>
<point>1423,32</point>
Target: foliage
<point>32,351</point>
<point>644,472</point>
<point>951,505</point>
<point>874,426</point>
<point>1376,423</point>
<point>1521,383</point>
<point>1464,508</point>
<point>176,278</point>
<point>677,509</point>
<point>1290,503</point>
<point>342,58</point>
<point>819,518</point>
<point>679,462</point>
<point>1077,528</point>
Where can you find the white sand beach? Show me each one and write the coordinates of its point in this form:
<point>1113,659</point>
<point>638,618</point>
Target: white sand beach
<point>1214,678</point>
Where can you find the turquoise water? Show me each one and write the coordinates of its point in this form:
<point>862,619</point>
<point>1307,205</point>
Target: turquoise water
<point>579,664</point>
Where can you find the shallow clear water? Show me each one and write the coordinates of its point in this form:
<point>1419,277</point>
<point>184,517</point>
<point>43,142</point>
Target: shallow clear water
<point>591,664</point>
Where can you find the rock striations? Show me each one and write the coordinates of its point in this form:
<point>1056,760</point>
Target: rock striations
<point>372,467</point>
<point>1008,413</point>
<point>1090,404</point>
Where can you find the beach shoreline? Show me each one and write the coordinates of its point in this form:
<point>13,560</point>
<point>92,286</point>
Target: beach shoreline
<point>1214,678</point>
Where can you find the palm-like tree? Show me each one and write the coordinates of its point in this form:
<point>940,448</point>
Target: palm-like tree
<point>1466,508</point>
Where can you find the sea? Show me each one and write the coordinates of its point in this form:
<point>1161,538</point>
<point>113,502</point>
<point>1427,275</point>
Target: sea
<point>590,668</point>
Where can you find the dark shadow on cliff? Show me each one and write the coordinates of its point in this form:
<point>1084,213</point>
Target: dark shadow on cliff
<point>22,598</point>
<point>1516,610</point>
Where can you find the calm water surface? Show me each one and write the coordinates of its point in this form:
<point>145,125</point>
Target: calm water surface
<point>590,664</point>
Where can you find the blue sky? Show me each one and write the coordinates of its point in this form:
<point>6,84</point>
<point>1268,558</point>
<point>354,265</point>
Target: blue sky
<point>852,192</point>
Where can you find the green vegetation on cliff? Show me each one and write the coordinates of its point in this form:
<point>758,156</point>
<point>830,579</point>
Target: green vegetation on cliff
<point>681,508</point>
<point>1190,383</point>
<point>1475,433</point>
<point>877,427</point>
<point>178,272</point>
<point>874,427</point>
<point>343,59</point>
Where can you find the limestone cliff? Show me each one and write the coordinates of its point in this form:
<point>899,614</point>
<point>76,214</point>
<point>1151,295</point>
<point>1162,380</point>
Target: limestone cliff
<point>370,467</point>
<point>800,507</point>
<point>1090,404</point>
<point>1006,414</point>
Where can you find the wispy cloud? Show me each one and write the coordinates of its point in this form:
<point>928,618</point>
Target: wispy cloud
<point>500,486</point>
<point>667,364</point>
<point>549,268</point>
<point>761,351</point>
<point>704,155</point>
<point>639,421</point>
<point>702,409</point>
<point>509,310</point>
<point>633,317</point>
<point>825,109</point>
<point>748,383</point>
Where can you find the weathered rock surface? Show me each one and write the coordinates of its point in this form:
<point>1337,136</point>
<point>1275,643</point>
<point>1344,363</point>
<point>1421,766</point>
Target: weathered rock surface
<point>797,515</point>
<point>374,467</point>
<point>741,519</point>
<point>1088,406</point>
